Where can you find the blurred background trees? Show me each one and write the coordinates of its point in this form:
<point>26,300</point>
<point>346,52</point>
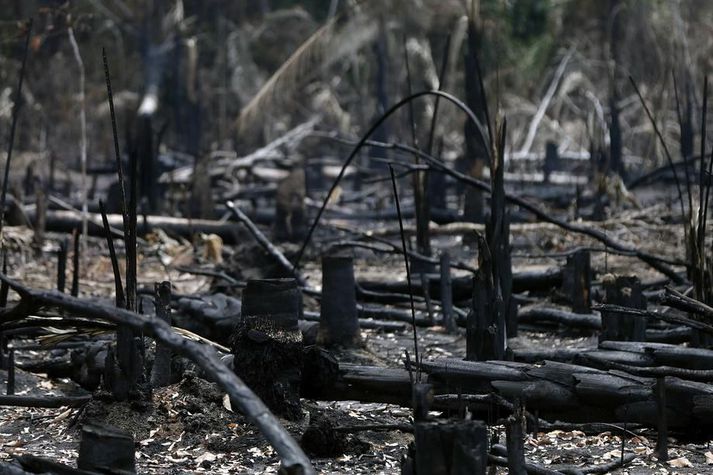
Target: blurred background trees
<point>207,60</point>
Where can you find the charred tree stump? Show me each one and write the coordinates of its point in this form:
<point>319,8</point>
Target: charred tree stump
<point>577,282</point>
<point>267,344</point>
<point>497,231</point>
<point>11,372</point>
<point>422,395</point>
<point>106,449</point>
<point>450,448</point>
<point>626,292</point>
<point>161,370</point>
<point>447,293</point>
<point>339,322</point>
<point>662,429</point>
<point>514,427</point>
<point>485,329</point>
<point>551,159</point>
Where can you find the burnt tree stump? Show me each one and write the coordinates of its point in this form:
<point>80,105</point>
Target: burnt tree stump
<point>515,436</point>
<point>339,320</point>
<point>106,449</point>
<point>550,162</point>
<point>11,372</point>
<point>485,327</point>
<point>662,421</point>
<point>626,292</point>
<point>577,282</point>
<point>267,344</point>
<point>450,448</point>
<point>422,399</point>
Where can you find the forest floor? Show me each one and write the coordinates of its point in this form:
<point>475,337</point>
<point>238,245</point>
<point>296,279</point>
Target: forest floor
<point>189,427</point>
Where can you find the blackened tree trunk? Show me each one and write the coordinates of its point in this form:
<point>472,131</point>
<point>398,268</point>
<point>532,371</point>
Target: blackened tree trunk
<point>339,320</point>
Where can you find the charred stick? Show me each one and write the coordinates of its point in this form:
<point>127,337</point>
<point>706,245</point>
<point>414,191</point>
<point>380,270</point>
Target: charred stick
<point>75,263</point>
<point>408,273</point>
<point>4,289</point>
<point>62,265</point>
<point>118,287</point>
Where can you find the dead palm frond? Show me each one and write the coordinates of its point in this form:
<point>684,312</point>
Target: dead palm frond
<point>339,37</point>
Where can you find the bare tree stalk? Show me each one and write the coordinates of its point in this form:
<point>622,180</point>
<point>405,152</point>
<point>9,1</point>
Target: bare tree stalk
<point>532,131</point>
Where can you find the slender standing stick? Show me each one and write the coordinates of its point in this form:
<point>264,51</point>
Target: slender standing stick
<point>118,287</point>
<point>408,274</point>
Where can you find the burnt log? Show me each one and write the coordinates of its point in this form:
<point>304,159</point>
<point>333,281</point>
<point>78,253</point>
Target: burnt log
<point>462,287</point>
<point>66,221</point>
<point>541,314</point>
<point>571,393</point>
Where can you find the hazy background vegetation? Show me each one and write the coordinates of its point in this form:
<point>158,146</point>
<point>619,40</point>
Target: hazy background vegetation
<point>208,60</point>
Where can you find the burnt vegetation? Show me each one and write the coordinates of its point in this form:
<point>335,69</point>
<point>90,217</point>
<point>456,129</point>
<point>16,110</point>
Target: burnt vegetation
<point>402,236</point>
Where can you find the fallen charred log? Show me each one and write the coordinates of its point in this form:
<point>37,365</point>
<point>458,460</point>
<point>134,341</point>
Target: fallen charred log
<point>557,391</point>
<point>530,280</point>
<point>67,221</point>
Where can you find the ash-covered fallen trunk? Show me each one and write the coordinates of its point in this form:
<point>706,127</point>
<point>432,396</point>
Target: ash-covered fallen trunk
<point>557,391</point>
<point>532,280</point>
<point>554,315</point>
<point>66,221</point>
